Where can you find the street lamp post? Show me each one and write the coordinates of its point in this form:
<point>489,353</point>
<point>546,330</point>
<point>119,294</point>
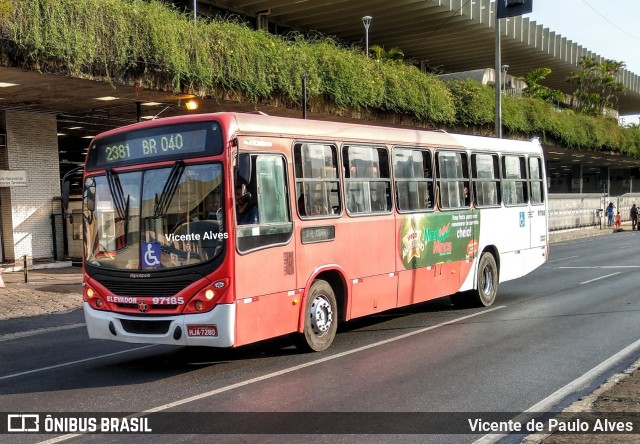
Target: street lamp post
<point>366,21</point>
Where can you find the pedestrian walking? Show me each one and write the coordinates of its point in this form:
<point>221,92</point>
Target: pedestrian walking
<point>609,213</point>
<point>633,215</point>
<point>618,222</point>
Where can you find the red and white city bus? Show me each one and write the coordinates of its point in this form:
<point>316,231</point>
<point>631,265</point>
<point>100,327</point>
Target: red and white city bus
<point>339,221</point>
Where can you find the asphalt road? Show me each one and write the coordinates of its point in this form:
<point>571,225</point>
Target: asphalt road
<point>541,346</point>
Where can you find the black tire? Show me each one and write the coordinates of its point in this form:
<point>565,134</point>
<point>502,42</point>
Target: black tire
<point>320,318</point>
<point>487,282</point>
<point>486,286</point>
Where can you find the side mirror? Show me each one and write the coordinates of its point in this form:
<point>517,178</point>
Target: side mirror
<point>244,168</point>
<point>89,194</point>
<point>66,188</point>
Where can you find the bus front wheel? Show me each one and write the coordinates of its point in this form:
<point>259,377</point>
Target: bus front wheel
<point>320,318</point>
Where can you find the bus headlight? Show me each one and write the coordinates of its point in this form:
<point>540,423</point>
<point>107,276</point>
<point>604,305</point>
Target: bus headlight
<point>207,298</point>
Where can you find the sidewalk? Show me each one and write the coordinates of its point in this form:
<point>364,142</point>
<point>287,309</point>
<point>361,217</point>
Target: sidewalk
<point>47,291</point>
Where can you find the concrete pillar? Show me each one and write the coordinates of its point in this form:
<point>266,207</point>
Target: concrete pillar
<point>605,183</point>
<point>576,179</point>
<point>32,147</point>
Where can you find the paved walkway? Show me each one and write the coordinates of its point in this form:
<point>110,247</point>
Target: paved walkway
<point>47,291</point>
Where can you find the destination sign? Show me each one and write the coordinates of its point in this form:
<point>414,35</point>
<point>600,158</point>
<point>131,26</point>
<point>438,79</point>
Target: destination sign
<point>156,144</point>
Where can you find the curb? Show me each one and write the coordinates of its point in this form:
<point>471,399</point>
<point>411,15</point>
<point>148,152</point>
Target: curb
<point>37,266</point>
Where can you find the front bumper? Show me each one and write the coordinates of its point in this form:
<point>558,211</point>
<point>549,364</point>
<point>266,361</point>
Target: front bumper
<point>168,330</point>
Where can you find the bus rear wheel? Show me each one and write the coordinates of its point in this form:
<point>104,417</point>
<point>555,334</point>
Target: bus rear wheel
<point>486,285</point>
<point>320,318</point>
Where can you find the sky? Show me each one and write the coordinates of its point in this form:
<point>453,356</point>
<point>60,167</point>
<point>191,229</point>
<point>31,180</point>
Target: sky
<point>609,28</point>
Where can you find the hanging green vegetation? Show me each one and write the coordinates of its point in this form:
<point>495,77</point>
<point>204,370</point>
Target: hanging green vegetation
<point>475,103</point>
<point>148,42</point>
<point>127,40</point>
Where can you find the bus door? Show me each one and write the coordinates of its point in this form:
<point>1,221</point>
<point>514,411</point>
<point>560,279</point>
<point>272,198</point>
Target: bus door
<point>517,231</point>
<point>265,279</point>
<point>537,210</point>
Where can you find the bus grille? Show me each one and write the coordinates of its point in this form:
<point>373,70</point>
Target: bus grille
<point>153,306</point>
<point>145,327</point>
<point>146,287</point>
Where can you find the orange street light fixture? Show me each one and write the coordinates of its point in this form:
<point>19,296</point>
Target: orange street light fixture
<point>191,104</point>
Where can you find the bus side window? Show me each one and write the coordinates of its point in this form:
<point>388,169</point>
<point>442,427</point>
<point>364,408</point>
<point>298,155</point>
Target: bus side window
<point>535,180</point>
<point>514,180</point>
<point>414,181</point>
<point>367,179</point>
<point>269,179</point>
<point>453,178</point>
<point>485,172</point>
<point>317,185</point>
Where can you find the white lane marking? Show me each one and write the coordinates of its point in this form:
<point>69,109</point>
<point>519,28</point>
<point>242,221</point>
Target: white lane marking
<point>575,385</point>
<point>563,259</point>
<point>66,364</point>
<point>282,372</point>
<point>601,277</point>
<point>600,266</point>
<point>39,331</point>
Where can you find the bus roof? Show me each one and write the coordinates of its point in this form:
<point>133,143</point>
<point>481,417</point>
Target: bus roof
<point>307,128</point>
<point>501,145</point>
<point>258,123</point>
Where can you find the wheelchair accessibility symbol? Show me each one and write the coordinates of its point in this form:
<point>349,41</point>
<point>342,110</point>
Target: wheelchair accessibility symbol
<point>150,255</point>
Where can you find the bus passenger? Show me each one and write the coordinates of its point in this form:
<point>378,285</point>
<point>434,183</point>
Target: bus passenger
<point>301,208</point>
<point>246,211</point>
<point>378,202</point>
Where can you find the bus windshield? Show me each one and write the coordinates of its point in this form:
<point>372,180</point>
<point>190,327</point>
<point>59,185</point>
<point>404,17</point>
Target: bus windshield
<point>154,219</point>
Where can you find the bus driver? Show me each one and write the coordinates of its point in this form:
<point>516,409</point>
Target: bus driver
<point>246,211</point>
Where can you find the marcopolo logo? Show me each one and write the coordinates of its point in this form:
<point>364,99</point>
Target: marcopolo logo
<point>25,422</point>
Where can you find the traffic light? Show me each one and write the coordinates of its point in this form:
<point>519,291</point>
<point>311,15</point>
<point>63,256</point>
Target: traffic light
<point>511,8</point>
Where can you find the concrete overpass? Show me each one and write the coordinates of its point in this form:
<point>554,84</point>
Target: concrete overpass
<point>451,35</point>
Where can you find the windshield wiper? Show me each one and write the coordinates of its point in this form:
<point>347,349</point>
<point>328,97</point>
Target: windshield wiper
<point>169,189</point>
<point>121,204</point>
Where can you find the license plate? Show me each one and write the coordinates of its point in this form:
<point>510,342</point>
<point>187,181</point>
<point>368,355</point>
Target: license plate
<point>202,330</point>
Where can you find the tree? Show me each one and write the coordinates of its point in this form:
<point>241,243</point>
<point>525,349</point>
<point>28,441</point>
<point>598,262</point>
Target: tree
<point>595,85</point>
<point>534,89</point>
<point>392,55</point>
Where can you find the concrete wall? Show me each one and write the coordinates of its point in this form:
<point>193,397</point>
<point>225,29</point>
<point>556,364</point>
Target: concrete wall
<point>32,146</point>
<point>579,210</point>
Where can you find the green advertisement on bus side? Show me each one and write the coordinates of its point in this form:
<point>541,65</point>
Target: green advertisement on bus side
<point>429,239</point>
